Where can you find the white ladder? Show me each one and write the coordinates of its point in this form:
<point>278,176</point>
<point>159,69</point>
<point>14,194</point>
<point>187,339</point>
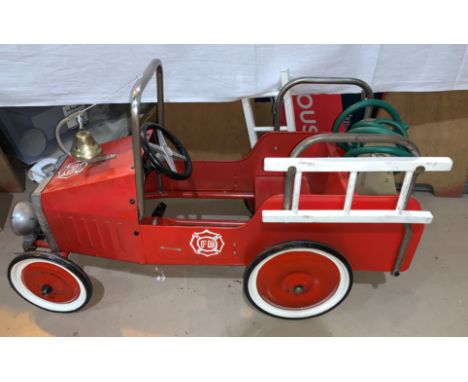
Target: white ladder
<point>252,129</point>
<point>353,166</point>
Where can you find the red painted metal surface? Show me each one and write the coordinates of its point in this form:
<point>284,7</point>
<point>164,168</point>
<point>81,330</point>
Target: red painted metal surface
<point>246,178</point>
<point>61,285</point>
<point>279,278</point>
<point>371,247</point>
<point>92,210</point>
<point>239,176</point>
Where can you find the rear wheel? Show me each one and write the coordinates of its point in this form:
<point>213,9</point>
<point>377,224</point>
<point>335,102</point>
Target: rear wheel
<point>50,282</point>
<point>297,280</point>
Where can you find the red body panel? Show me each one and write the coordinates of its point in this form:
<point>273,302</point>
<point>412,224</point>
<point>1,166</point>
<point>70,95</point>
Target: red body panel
<point>90,212</point>
<point>371,247</point>
<point>94,212</point>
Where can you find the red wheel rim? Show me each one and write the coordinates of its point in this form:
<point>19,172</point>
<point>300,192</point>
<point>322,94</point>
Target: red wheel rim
<point>50,282</point>
<point>298,280</point>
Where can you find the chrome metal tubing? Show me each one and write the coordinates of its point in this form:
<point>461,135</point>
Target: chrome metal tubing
<point>290,174</point>
<point>136,93</point>
<point>407,227</point>
<point>341,138</point>
<point>367,92</point>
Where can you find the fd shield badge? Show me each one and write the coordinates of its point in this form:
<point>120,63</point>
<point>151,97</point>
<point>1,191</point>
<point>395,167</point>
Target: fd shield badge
<point>207,243</point>
<point>71,169</point>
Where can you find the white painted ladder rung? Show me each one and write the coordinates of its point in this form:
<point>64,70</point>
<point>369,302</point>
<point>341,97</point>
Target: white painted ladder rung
<point>266,129</point>
<point>342,216</point>
<point>252,129</point>
<point>359,164</point>
<point>350,191</point>
<point>405,189</point>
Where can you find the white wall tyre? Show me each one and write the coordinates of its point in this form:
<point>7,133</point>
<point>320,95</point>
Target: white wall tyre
<point>50,282</point>
<point>298,280</point>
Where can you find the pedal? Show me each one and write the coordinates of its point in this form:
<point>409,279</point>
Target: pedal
<point>158,212</point>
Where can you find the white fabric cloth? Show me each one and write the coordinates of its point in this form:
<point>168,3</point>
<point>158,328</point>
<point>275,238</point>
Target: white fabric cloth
<point>39,75</point>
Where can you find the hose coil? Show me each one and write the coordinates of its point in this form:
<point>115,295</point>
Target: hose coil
<point>395,126</point>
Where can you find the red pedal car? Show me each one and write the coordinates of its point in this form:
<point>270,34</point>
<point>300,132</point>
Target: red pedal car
<point>310,226</point>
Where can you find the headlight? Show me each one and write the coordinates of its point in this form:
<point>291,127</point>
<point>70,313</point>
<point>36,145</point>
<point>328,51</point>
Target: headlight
<point>23,219</point>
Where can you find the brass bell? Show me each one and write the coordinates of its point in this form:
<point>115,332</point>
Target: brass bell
<point>84,146</point>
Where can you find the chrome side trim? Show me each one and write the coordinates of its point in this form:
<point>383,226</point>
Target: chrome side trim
<point>36,200</point>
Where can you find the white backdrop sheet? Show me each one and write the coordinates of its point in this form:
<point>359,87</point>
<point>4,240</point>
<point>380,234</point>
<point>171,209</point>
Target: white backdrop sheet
<point>42,75</point>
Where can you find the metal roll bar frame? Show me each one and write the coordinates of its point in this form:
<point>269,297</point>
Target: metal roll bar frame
<point>366,89</point>
<point>154,67</point>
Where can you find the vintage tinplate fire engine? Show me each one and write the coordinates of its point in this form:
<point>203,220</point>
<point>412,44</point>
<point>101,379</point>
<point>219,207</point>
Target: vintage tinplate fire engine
<point>311,223</point>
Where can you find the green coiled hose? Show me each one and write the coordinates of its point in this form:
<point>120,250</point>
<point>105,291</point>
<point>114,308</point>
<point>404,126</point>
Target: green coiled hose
<point>373,126</point>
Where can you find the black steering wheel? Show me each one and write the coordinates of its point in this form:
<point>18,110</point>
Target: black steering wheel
<point>161,156</point>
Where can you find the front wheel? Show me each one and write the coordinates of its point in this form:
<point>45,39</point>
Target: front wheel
<point>50,282</point>
<point>298,280</point>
